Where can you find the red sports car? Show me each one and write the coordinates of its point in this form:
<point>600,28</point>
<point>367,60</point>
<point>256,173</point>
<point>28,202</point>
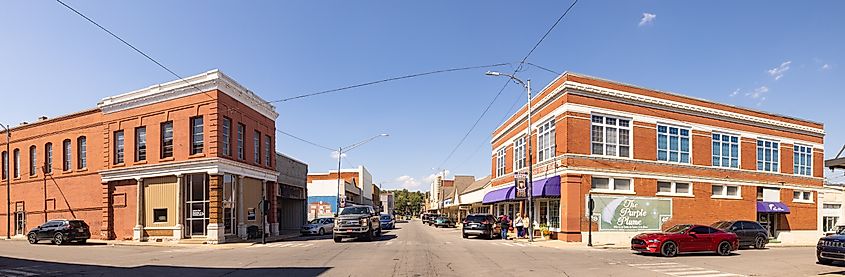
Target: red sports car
<point>686,238</point>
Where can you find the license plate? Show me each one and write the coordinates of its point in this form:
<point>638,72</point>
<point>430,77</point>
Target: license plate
<point>81,230</point>
<point>473,225</point>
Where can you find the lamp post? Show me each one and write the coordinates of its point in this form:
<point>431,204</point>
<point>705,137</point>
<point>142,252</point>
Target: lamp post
<point>530,185</point>
<point>340,156</point>
<point>8,184</point>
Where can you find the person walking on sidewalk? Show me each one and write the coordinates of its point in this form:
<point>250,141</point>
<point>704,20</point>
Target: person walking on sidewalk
<point>519,225</point>
<point>504,223</point>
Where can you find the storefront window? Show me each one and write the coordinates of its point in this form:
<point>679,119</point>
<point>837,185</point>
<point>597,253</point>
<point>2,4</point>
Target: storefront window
<point>554,214</point>
<point>543,212</point>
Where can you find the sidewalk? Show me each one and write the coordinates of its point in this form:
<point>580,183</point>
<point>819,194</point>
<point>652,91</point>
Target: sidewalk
<point>187,243</point>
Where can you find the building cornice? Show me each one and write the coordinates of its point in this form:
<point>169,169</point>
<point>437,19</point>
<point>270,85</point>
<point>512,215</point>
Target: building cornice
<point>213,166</point>
<point>208,81</point>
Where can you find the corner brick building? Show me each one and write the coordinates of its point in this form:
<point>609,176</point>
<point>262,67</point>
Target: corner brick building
<point>652,159</point>
<point>180,160</point>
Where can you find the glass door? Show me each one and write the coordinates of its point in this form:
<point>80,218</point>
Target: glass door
<point>196,204</point>
<point>229,204</point>
<point>20,222</point>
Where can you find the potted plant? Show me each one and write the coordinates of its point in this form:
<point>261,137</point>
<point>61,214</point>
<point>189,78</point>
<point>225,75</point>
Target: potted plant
<point>544,230</point>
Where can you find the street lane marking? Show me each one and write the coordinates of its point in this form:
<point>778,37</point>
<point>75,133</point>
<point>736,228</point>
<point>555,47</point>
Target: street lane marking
<point>682,270</point>
<point>696,273</point>
<point>18,272</point>
<point>678,269</point>
<point>639,265</point>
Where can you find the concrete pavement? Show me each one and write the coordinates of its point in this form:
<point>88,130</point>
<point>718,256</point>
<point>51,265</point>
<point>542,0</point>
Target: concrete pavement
<point>411,250</point>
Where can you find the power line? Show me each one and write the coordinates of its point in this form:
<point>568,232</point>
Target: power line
<point>517,69</point>
<point>305,141</point>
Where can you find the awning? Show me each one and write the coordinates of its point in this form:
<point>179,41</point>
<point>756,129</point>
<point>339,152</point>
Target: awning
<point>772,207</point>
<point>499,195</point>
<point>549,187</point>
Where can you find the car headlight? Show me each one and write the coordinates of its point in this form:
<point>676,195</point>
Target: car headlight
<point>653,241</point>
<point>363,221</point>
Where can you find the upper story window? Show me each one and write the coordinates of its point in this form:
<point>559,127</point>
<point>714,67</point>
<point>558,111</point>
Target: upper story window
<point>16,154</point>
<point>519,153</point>
<point>227,136</point>
<point>607,184</point>
<point>767,155</point>
<point>167,139</point>
<point>66,156</point>
<point>673,144</point>
<point>674,188</point>
<point>256,146</point>
<point>81,152</point>
<point>500,162</point>
<point>725,150</point>
<point>241,131</point>
<point>546,140</point>
<point>610,136</point>
<point>48,157</point>
<point>118,147</point>
<point>5,164</point>
<point>267,151</point>
<point>802,160</point>
<point>196,135</point>
<point>725,191</point>
<point>802,196</point>
<point>141,144</point>
<point>33,161</point>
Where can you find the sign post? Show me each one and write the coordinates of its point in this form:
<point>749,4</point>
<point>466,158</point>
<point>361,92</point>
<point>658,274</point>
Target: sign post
<point>590,206</point>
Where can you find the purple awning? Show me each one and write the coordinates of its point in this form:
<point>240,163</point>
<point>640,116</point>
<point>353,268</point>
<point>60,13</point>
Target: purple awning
<point>499,195</point>
<point>772,207</point>
<point>549,187</point>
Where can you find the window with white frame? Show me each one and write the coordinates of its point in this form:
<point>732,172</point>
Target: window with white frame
<point>725,150</point>
<point>726,191</point>
<point>832,206</point>
<point>829,222</point>
<point>546,140</point>
<point>519,153</point>
<point>802,196</point>
<point>673,144</point>
<point>610,136</point>
<point>767,155</point>
<point>500,162</point>
<point>673,188</point>
<point>548,213</point>
<point>802,160</point>
<point>612,184</point>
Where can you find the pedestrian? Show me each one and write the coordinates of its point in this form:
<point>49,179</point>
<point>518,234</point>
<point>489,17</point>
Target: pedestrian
<point>519,225</point>
<point>504,224</point>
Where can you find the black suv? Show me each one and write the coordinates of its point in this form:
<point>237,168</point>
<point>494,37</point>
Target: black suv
<point>481,225</point>
<point>750,233</point>
<point>60,231</point>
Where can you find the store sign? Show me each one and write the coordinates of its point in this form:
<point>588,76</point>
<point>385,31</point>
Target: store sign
<point>521,179</point>
<point>197,213</point>
<point>630,213</point>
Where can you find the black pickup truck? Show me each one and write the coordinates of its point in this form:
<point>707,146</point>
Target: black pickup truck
<point>357,222</point>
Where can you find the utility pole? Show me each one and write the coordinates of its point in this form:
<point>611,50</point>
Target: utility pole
<point>530,170</point>
<point>340,189</point>
<point>8,185</point>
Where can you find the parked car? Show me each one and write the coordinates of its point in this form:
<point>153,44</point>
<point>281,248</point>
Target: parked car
<point>831,248</point>
<point>444,221</point>
<point>429,219</point>
<point>481,225</point>
<point>60,231</point>
<point>357,222</point>
<point>318,226</point>
<point>686,238</point>
<point>750,233</point>
<point>387,221</point>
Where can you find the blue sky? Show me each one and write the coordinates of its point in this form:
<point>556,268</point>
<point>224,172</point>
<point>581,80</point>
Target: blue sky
<point>776,56</point>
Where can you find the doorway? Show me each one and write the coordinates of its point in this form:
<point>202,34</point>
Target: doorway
<point>229,205</point>
<point>196,204</point>
<point>20,222</point>
<point>769,221</point>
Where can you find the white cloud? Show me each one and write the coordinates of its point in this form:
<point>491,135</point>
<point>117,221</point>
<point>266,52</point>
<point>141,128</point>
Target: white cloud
<point>430,178</point>
<point>647,18</point>
<point>334,155</point>
<point>825,66</point>
<point>735,93</point>
<point>408,182</point>
<point>778,72</point>
<point>758,93</point>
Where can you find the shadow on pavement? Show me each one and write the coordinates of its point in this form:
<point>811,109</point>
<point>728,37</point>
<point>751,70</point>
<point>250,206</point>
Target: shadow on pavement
<point>71,244</point>
<point>384,237</point>
<point>681,255</point>
<point>24,267</point>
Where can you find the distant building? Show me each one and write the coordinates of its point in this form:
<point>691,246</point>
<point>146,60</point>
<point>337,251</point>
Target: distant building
<point>320,209</point>
<point>323,187</point>
<point>291,193</point>
<point>387,202</point>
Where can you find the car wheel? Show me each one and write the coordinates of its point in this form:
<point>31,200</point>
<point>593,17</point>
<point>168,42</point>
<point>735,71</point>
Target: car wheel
<point>724,248</point>
<point>337,239</point>
<point>59,239</point>
<point>760,243</point>
<point>32,239</point>
<point>669,249</point>
<point>82,241</point>
<point>321,232</point>
<point>465,235</point>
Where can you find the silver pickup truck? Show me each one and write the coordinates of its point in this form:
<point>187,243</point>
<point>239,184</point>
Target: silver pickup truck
<point>357,222</point>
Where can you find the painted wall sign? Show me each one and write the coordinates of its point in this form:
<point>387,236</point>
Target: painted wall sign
<point>631,213</point>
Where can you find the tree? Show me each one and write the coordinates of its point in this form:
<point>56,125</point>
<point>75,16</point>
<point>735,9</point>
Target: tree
<point>408,202</point>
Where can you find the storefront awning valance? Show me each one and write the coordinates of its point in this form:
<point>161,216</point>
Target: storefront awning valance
<point>549,187</point>
<point>498,195</point>
<point>772,207</point>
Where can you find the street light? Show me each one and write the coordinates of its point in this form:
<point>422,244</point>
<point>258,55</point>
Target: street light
<point>340,156</point>
<point>530,185</point>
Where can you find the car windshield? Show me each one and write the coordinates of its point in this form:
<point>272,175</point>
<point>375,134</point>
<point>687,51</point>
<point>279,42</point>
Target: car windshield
<point>476,218</point>
<point>678,228</point>
<point>721,225</point>
<point>840,230</point>
<point>355,210</point>
<point>385,217</point>
<point>314,221</point>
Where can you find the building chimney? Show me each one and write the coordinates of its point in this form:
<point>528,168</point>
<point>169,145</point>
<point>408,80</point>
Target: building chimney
<point>42,118</point>
<point>23,123</point>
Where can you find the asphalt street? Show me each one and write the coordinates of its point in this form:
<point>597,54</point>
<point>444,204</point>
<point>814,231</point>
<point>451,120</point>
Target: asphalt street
<point>412,249</point>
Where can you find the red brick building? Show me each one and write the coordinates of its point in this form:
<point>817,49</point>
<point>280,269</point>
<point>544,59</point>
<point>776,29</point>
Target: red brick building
<point>653,159</point>
<point>178,160</point>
